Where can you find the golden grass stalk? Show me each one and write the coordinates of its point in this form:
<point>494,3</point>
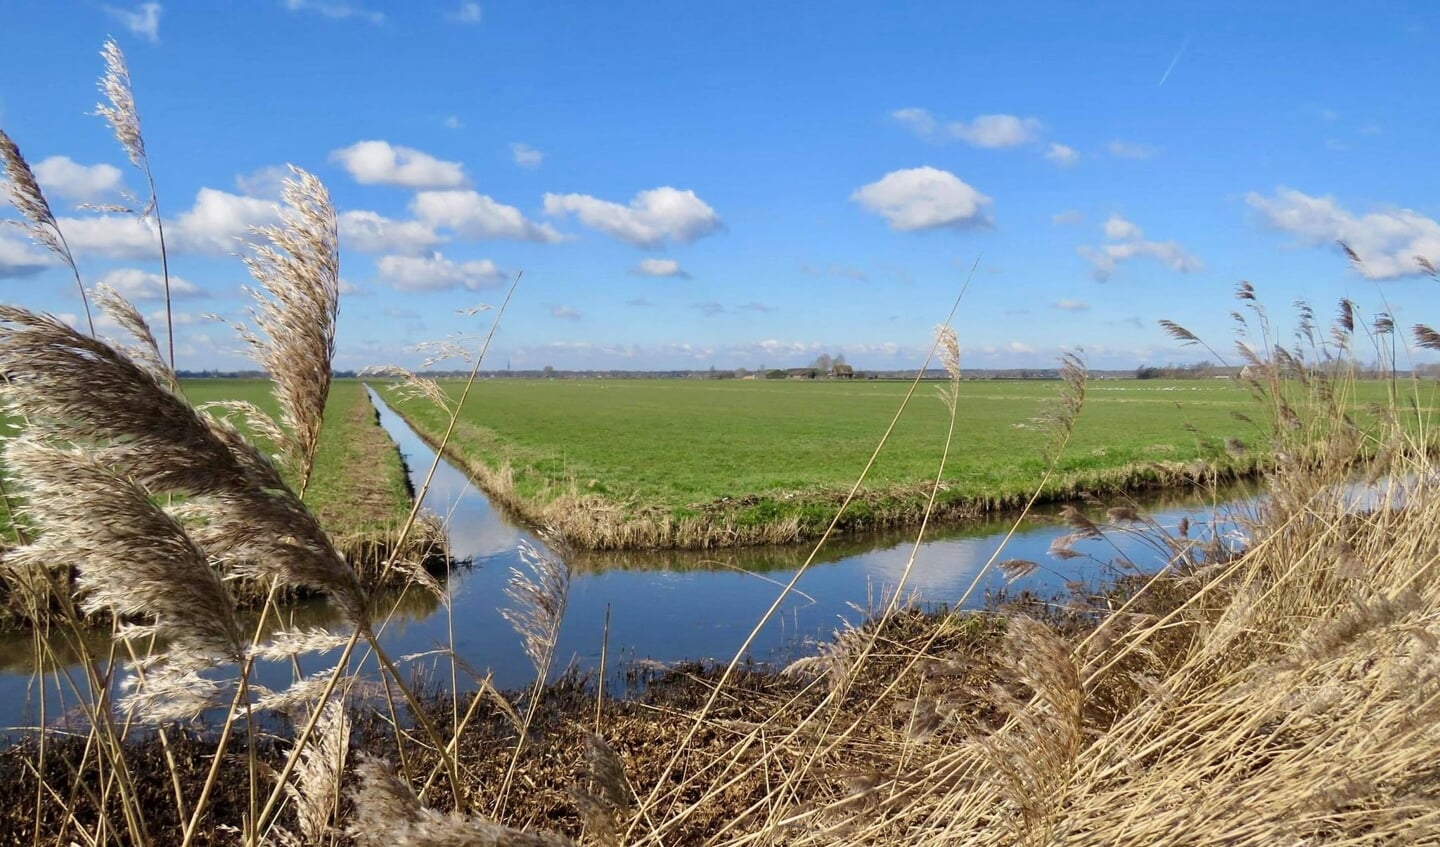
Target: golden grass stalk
<point>124,120</point>
<point>316,785</point>
<point>298,269</point>
<point>26,196</point>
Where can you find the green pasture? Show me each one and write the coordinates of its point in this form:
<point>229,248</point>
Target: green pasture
<point>769,449</point>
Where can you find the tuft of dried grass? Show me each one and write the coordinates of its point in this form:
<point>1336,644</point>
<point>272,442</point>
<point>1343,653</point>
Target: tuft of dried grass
<point>389,814</point>
<point>296,306</point>
<point>25,194</point>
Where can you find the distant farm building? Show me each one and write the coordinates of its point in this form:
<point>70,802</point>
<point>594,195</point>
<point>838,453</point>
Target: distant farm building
<point>843,372</point>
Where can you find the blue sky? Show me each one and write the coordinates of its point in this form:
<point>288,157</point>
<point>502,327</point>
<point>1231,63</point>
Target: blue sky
<point>747,184</point>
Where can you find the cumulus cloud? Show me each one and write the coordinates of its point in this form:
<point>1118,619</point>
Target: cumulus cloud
<point>157,317</point>
<point>217,224</point>
<point>924,198</point>
<point>468,13</point>
<point>1069,216</point>
<point>1119,229</point>
<point>983,131</point>
<point>267,182</point>
<point>526,156</point>
<point>1062,155</point>
<point>918,121</point>
<point>112,237</point>
<point>136,284</point>
<point>996,130</point>
<point>371,232</point>
<point>651,218</point>
<point>1072,305</point>
<point>1132,245</point>
<point>67,178</point>
<point>143,20</point>
<point>18,259</point>
<point>1131,150</point>
<point>563,312</point>
<point>335,10</point>
<point>660,267</point>
<point>474,215</point>
<point>437,273</point>
<point>383,163</point>
<point>1388,242</point>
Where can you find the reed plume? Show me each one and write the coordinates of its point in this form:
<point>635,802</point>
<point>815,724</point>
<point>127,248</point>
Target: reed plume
<point>298,269</point>
<point>25,195</point>
<point>315,787</point>
<point>74,389</point>
<point>124,120</point>
<point>132,558</point>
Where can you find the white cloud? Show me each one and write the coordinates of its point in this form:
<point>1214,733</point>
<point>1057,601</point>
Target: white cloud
<point>1133,245</point>
<point>525,155</point>
<point>111,237</point>
<point>996,130</point>
<point>144,21</point>
<point>1072,305</point>
<point>1130,150</point>
<point>474,215</point>
<point>468,13</point>
<point>267,182</point>
<point>69,179</point>
<point>1019,347</point>
<point>649,220</point>
<point>1062,155</point>
<point>335,10</point>
<point>380,162</point>
<point>918,121</point>
<point>564,313</point>
<point>437,273</point>
<point>1119,229</point>
<point>157,317</point>
<point>983,131</point>
<point>136,284</point>
<point>371,232</point>
<point>924,198</point>
<point>219,222</point>
<point>453,122</point>
<point>660,267</point>
<point>1387,242</point>
<point>1069,216</point>
<point>18,259</point>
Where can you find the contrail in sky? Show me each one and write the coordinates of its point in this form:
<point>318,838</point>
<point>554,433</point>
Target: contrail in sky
<point>1175,61</point>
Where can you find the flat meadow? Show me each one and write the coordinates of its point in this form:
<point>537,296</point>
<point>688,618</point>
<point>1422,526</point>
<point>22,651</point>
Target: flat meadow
<point>706,462</point>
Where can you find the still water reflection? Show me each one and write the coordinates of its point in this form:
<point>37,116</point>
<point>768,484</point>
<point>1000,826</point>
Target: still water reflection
<point>679,605</point>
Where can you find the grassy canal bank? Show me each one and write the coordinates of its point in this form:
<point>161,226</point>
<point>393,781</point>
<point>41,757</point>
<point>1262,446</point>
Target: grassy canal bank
<point>616,464</point>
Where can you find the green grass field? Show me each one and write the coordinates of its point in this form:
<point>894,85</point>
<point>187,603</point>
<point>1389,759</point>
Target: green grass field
<point>752,453</point>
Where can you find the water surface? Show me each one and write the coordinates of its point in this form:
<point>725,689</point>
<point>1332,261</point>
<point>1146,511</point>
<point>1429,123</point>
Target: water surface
<point>673,606</point>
